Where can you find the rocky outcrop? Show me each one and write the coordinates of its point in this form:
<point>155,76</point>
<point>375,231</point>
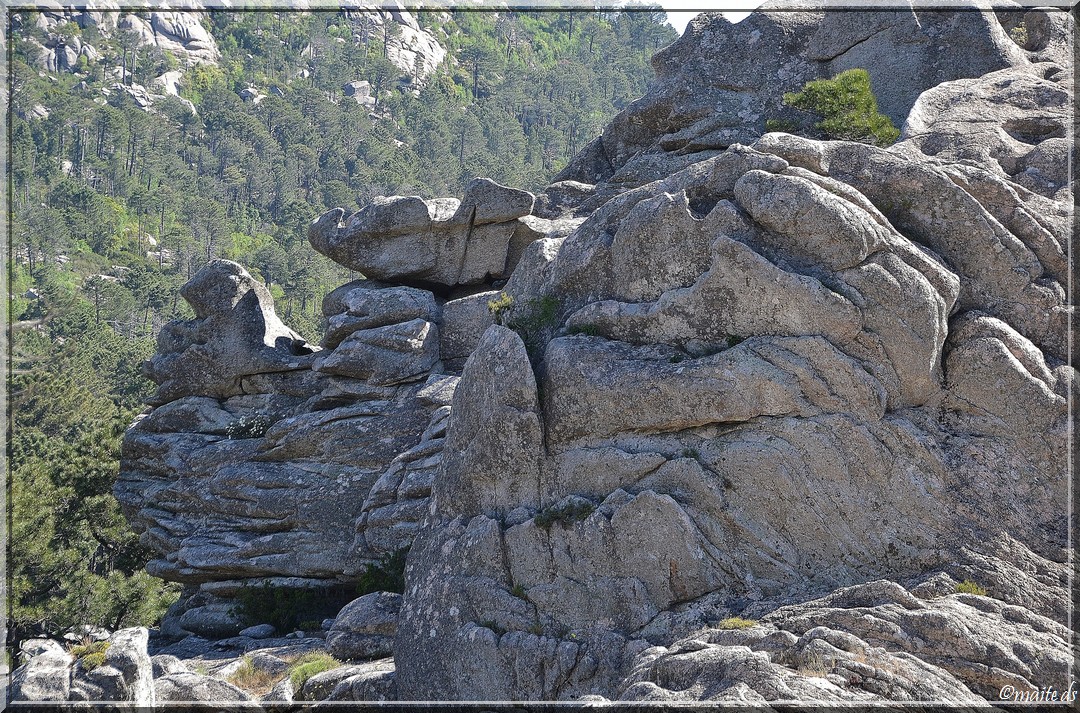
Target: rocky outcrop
<point>131,669</point>
<point>416,52</point>
<point>181,33</point>
<point>772,419</point>
<point>1022,133</point>
<point>763,377</point>
<point>862,643</point>
<point>235,334</point>
<point>720,82</point>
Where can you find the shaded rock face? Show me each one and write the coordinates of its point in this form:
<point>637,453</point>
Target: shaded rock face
<point>719,83</point>
<point>257,463</point>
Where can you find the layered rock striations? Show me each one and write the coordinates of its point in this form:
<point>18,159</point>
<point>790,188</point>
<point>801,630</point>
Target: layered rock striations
<point>819,385</point>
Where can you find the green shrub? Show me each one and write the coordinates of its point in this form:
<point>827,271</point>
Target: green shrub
<point>308,665</point>
<point>499,306</point>
<point>735,622</point>
<point>248,427</point>
<point>90,655</point>
<point>518,591</point>
<point>566,514</point>
<point>969,587</point>
<point>388,575</point>
<point>286,607</point>
<point>848,108</point>
<point>1019,34</point>
<point>254,680</point>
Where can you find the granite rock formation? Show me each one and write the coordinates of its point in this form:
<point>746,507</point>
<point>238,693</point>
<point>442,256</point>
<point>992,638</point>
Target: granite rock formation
<point>818,385</point>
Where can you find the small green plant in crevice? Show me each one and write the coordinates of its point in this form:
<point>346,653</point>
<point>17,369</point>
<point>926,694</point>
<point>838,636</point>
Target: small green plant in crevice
<point>690,453</point>
<point>734,340</point>
<point>536,314</point>
<point>536,628</point>
<point>499,306</point>
<point>735,622</point>
<point>816,665</point>
<point>91,655</point>
<point>387,575</point>
<point>518,591</point>
<point>969,587</point>
<point>676,358</point>
<point>566,513</point>
<point>1019,34</point>
<point>785,125</point>
<point>489,624</point>
<point>308,665</point>
<point>254,426</point>
<point>529,319</point>
<point>848,108</point>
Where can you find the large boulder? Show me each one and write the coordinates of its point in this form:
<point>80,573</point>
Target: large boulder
<point>364,628</point>
<point>439,243</point>
<point>46,676</point>
<point>235,333</point>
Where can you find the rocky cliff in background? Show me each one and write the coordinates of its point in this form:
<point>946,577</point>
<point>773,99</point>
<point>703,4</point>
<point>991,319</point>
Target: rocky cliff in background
<point>722,415</point>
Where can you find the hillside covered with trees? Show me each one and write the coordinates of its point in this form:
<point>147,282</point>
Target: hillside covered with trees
<point>120,194</point>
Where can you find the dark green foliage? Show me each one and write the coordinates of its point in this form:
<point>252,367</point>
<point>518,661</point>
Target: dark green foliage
<point>566,514</point>
<point>847,107</point>
<point>388,575</point>
<point>733,340</point>
<point>786,125</point>
<point>286,607</point>
<point>248,427</point>
<point>73,558</point>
